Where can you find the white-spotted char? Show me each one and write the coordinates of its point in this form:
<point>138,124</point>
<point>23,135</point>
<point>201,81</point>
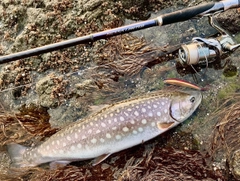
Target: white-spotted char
<point>112,129</point>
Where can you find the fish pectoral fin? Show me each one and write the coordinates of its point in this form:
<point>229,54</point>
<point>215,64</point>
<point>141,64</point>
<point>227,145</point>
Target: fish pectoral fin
<point>58,164</point>
<point>100,159</point>
<point>164,125</point>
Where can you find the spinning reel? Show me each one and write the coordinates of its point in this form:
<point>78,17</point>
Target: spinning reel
<point>204,50</point>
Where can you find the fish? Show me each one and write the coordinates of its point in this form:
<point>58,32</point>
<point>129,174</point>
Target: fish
<point>114,128</point>
<point>183,83</point>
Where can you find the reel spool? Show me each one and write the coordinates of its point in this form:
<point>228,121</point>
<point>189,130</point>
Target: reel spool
<point>195,53</point>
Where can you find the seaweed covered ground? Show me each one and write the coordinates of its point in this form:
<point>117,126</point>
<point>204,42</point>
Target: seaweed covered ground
<point>41,94</point>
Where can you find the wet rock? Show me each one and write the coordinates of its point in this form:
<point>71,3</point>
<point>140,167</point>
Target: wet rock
<point>44,90</point>
<point>84,87</point>
<point>89,5</point>
<point>230,20</point>
<point>235,164</point>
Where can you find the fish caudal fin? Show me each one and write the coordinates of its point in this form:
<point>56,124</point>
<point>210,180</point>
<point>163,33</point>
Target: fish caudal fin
<point>16,154</point>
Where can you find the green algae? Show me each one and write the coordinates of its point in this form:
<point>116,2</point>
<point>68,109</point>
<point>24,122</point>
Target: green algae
<point>231,87</point>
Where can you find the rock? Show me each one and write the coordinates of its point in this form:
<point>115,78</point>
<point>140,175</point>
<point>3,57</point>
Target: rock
<point>230,20</point>
<point>44,90</point>
<point>235,164</point>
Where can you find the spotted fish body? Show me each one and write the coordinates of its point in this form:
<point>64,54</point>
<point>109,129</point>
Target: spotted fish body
<point>114,128</point>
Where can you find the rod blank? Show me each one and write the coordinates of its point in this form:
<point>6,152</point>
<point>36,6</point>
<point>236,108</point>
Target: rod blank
<point>177,16</point>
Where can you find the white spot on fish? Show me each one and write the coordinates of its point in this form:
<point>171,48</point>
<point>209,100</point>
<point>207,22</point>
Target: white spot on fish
<point>136,113</point>
<point>58,142</point>
<point>126,113</point>
<point>140,129</point>
<point>125,129</point>
<point>79,145</point>
<point>72,147</point>
<point>53,142</point>
<point>98,131</point>
<point>103,124</point>
<point>115,120</point>
<point>118,137</point>
<point>90,131</point>
<point>132,122</point>
<point>150,114</point>
<point>68,138</point>
<point>111,115</point>
<point>143,110</point>
<point>94,140</point>
<point>114,128</point>
<point>76,136</point>
<point>154,105</point>
<point>64,144</point>
<point>159,113</point>
<point>129,109</point>
<point>108,135</point>
<point>109,121</point>
<point>48,147</point>
<point>165,110</point>
<point>153,124</point>
<point>144,121</point>
<point>84,137</point>
<point>118,111</point>
<point>162,103</point>
<point>121,118</point>
<point>91,123</point>
<point>135,132</point>
<point>102,140</point>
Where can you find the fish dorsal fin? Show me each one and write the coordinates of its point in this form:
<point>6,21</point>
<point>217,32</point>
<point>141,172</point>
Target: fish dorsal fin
<point>96,108</point>
<point>164,125</point>
<point>100,159</point>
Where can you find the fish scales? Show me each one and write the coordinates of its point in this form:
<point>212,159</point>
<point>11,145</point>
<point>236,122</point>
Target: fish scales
<point>112,129</point>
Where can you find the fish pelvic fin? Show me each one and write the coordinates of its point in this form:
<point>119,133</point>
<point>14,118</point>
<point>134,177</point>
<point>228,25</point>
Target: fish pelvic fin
<point>58,164</point>
<point>16,152</point>
<point>99,159</point>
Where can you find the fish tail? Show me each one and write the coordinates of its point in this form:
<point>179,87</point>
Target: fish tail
<point>16,152</point>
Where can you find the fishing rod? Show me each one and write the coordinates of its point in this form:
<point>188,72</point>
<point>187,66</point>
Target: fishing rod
<point>169,18</point>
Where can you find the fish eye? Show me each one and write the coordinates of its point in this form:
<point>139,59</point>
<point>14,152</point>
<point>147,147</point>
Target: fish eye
<point>192,100</point>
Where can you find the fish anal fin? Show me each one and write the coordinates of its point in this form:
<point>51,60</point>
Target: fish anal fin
<point>99,159</point>
<point>58,164</point>
<point>164,125</point>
